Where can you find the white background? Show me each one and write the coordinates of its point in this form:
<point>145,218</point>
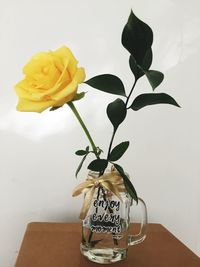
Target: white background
<point>37,161</point>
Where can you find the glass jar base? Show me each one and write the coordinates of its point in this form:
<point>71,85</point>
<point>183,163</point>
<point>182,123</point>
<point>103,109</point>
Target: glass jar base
<point>103,255</point>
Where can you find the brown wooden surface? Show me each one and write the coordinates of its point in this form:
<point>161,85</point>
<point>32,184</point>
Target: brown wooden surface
<point>57,245</point>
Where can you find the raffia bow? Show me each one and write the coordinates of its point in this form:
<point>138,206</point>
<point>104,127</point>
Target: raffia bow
<point>112,182</point>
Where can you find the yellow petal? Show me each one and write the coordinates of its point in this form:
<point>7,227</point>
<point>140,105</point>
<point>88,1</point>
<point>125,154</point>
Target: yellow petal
<point>62,101</point>
<point>58,62</point>
<point>70,89</point>
<point>79,75</point>
<point>52,79</point>
<point>62,82</point>
<point>43,70</point>
<point>65,53</point>
<point>25,90</point>
<point>36,63</point>
<point>33,106</point>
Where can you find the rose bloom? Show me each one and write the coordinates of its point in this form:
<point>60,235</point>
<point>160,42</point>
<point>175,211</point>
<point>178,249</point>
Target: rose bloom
<point>51,80</point>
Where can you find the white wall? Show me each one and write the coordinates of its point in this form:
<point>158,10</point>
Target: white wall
<point>37,163</point>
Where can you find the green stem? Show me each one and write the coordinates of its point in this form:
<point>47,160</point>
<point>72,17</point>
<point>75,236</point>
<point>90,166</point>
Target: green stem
<point>73,108</point>
<point>111,142</point>
<point>114,131</point>
<point>130,93</point>
<point>94,148</point>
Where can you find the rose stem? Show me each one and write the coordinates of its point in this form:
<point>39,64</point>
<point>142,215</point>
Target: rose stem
<point>94,148</point>
<point>73,108</point>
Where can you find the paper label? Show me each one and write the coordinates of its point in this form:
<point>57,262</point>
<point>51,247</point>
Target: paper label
<point>108,219</point>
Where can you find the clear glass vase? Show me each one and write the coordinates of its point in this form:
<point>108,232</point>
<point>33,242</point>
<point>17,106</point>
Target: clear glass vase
<point>105,229</point>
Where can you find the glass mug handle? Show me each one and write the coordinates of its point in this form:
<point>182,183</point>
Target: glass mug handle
<point>138,238</point>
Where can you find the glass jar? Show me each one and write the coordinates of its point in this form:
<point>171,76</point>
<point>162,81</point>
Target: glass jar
<point>105,229</point>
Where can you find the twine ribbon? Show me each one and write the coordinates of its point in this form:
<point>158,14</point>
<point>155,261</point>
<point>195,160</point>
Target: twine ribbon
<point>112,182</point>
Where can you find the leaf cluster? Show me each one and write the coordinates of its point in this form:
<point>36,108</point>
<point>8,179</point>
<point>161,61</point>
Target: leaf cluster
<point>137,39</point>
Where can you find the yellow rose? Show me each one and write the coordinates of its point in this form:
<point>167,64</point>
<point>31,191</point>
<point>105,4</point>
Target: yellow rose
<point>51,80</point>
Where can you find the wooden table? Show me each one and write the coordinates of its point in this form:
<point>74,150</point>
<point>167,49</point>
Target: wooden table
<point>57,245</point>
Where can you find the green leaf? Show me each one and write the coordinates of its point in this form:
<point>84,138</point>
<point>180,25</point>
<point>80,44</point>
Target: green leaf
<point>144,100</point>
<point>137,70</point>
<point>147,60</point>
<point>87,148</point>
<point>137,38</point>
<point>80,165</point>
<point>155,78</point>
<point>79,96</point>
<point>107,83</point>
<point>55,108</point>
<point>128,185</point>
<point>130,188</point>
<point>81,152</point>
<point>98,165</point>
<point>116,112</point>
<point>118,151</point>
